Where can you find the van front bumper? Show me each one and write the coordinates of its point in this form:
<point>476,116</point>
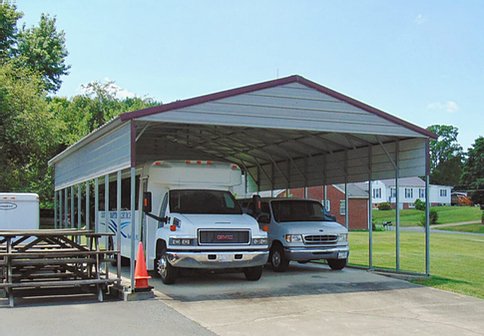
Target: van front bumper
<point>304,254</point>
<point>216,259</point>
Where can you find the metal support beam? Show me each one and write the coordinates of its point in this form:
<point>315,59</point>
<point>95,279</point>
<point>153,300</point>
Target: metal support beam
<point>72,208</point>
<point>61,215</point>
<point>66,207</point>
<point>96,205</point>
<point>133,226</point>
<point>79,206</point>
<point>107,216</point>
<point>370,208</point>
<point>118,221</point>
<point>273,184</point>
<point>427,225</point>
<point>88,208</point>
<point>397,209</point>
<point>347,219</point>
<point>55,209</point>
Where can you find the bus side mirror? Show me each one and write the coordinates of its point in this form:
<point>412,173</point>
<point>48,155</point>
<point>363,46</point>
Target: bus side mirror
<point>256,200</point>
<point>147,201</point>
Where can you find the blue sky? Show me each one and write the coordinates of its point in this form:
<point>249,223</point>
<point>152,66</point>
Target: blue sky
<point>422,61</point>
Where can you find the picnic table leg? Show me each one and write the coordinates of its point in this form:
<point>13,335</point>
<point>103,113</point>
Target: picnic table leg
<point>9,290</point>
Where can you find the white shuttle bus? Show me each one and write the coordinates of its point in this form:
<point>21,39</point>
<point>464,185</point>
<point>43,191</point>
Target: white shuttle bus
<point>192,220</point>
<point>19,211</point>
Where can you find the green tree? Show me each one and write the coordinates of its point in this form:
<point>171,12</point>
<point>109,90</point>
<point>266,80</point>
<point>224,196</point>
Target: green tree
<point>28,132</point>
<point>473,171</point>
<point>43,49</point>
<point>445,155</point>
<point>8,28</point>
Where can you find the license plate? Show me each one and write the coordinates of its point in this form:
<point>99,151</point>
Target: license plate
<point>342,255</point>
<point>223,257</point>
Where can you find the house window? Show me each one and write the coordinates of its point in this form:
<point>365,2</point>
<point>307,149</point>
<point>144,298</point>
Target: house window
<point>377,193</point>
<point>443,192</point>
<point>393,192</point>
<point>421,193</point>
<point>408,193</point>
<point>342,208</point>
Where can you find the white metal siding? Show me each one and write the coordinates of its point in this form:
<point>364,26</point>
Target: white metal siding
<point>106,154</point>
<point>291,106</point>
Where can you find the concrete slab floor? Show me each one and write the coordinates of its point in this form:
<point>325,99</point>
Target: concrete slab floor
<point>311,299</point>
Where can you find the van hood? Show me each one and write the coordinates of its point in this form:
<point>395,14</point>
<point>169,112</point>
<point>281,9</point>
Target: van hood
<point>311,227</point>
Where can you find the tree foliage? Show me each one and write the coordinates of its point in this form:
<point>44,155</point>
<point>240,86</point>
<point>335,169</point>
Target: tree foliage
<point>445,155</point>
<point>43,49</point>
<point>473,171</point>
<point>8,28</point>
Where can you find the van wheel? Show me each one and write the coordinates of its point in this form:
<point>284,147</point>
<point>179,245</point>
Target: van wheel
<point>253,273</point>
<point>279,261</point>
<point>337,264</point>
<point>165,270</point>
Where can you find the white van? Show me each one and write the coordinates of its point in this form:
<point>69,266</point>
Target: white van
<point>192,220</point>
<point>19,211</point>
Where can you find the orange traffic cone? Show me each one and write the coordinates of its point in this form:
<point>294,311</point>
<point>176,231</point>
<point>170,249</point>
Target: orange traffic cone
<point>141,274</point>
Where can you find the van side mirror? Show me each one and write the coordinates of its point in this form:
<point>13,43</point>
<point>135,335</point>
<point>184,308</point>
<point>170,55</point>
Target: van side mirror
<point>147,201</point>
<point>256,200</point>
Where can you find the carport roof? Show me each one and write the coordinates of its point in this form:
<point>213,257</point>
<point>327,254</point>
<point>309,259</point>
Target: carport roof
<point>283,132</point>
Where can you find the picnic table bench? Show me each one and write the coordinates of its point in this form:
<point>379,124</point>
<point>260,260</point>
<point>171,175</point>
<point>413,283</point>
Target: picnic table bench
<point>40,261</point>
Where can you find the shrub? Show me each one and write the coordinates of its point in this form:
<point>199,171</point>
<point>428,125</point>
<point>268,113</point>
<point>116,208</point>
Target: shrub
<point>384,206</point>
<point>420,205</point>
<point>434,216</point>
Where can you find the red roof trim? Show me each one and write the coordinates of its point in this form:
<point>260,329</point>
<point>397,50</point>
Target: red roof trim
<point>269,84</point>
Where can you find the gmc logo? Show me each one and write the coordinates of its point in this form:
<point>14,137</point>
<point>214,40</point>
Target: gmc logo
<point>225,237</point>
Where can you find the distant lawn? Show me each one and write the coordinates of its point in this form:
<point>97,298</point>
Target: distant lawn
<point>475,228</point>
<point>456,261</point>
<point>411,217</point>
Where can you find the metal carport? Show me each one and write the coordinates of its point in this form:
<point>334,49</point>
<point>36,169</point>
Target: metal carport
<point>284,133</point>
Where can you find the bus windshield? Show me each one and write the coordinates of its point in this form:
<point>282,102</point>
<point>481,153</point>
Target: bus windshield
<point>203,202</point>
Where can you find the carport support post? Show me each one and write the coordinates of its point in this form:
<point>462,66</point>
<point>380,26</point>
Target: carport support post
<point>347,220</point>
<point>118,222</point>
<point>72,207</point>
<point>88,201</point>
<point>107,216</point>
<point>96,204</point>
<point>55,209</point>
<point>427,226</point>
<point>133,227</point>
<point>397,209</point>
<point>370,208</point>
<point>61,219</point>
<point>79,206</point>
<point>66,207</point>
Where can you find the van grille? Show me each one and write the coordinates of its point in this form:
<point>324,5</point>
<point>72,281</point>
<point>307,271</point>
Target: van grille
<point>221,237</point>
<point>321,239</point>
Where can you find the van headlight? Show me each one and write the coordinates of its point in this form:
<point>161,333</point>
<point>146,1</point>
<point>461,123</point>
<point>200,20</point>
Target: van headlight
<point>259,241</point>
<point>342,237</point>
<point>182,241</point>
<point>294,238</point>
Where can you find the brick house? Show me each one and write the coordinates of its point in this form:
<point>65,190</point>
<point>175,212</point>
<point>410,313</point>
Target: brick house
<point>357,207</point>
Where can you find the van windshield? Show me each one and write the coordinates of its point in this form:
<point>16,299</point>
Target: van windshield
<point>297,210</point>
<point>203,202</point>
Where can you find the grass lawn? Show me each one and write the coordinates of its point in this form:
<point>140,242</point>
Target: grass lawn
<point>456,261</point>
<point>476,228</point>
<point>447,214</point>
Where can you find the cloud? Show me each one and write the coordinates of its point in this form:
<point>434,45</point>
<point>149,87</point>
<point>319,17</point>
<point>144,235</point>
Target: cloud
<point>420,19</point>
<point>110,86</point>
<point>448,106</point>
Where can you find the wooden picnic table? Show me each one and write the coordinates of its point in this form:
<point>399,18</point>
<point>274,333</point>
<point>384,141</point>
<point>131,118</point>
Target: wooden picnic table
<point>38,260</point>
